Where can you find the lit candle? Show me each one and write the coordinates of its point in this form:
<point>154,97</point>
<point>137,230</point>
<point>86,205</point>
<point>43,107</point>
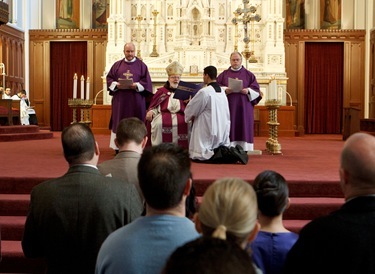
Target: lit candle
<point>75,86</point>
<point>82,87</point>
<point>88,88</point>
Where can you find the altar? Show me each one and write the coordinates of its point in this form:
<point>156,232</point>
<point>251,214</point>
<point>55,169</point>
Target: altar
<point>101,114</point>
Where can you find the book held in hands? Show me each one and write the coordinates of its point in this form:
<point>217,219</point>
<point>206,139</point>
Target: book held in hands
<point>186,90</point>
<point>235,85</point>
<point>125,83</point>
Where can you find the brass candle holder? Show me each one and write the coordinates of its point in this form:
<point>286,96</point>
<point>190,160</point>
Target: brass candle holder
<point>154,52</point>
<point>272,144</point>
<point>84,106</point>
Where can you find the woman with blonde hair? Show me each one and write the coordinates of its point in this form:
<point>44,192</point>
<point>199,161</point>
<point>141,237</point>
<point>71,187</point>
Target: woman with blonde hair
<point>229,211</point>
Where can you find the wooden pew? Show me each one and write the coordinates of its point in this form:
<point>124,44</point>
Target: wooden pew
<point>10,108</point>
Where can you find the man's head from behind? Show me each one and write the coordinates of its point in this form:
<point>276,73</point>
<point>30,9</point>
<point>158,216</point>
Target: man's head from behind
<point>78,144</point>
<point>131,130</point>
<point>208,255</point>
<point>209,73</point>
<point>357,170</point>
<point>164,173</point>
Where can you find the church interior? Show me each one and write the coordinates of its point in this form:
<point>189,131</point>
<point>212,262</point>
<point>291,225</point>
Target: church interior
<point>320,53</point>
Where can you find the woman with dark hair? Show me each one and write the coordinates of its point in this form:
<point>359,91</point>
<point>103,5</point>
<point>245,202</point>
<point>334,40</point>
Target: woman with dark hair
<point>273,242</point>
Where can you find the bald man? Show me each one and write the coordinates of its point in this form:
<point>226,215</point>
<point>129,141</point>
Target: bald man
<point>344,241</point>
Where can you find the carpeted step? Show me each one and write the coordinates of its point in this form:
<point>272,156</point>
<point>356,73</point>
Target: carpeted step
<point>16,185</point>
<point>297,188</point>
<point>12,227</point>
<point>295,225</point>
<point>14,204</point>
<point>14,261</point>
<point>25,136</point>
<point>18,129</point>
<point>310,208</point>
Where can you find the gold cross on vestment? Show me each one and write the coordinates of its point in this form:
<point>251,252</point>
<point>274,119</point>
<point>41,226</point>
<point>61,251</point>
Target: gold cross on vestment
<point>128,74</point>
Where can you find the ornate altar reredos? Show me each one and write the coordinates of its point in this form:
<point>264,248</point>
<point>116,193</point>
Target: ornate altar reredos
<point>198,33</point>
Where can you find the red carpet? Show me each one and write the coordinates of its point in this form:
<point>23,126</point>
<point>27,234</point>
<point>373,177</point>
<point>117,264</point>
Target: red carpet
<point>308,158</point>
<point>309,163</point>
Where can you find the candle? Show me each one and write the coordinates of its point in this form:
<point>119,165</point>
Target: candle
<point>274,89</point>
<point>75,86</point>
<point>88,88</point>
<point>82,87</point>
<point>104,82</point>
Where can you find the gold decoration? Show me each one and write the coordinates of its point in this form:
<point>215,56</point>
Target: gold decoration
<point>84,106</point>
<point>272,144</point>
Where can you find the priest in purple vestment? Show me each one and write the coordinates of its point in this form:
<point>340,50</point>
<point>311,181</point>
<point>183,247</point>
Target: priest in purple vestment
<point>165,118</point>
<point>128,82</point>
<point>241,102</point>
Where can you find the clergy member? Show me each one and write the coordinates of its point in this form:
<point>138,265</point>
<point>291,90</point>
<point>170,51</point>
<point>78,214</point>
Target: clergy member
<point>128,82</point>
<point>165,117</point>
<point>209,112</point>
<point>241,104</point>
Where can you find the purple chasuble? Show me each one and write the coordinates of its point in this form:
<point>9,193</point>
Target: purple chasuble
<point>240,108</point>
<point>128,102</point>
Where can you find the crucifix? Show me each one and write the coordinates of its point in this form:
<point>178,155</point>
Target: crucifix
<point>127,82</point>
<point>128,74</point>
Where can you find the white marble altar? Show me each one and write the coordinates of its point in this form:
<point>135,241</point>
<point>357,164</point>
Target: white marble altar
<point>198,33</point>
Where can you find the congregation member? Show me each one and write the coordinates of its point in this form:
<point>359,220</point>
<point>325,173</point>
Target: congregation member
<point>209,113</point>
<point>7,94</point>
<point>70,217</point>
<point>229,211</point>
<point>273,242</point>
<point>165,117</point>
<point>145,245</point>
<point>208,255</point>
<point>131,139</point>
<point>241,103</point>
<point>128,98</point>
<point>344,241</point>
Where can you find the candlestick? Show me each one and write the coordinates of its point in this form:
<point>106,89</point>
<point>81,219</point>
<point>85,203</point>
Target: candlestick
<point>75,86</point>
<point>104,78</point>
<point>88,88</point>
<point>82,87</point>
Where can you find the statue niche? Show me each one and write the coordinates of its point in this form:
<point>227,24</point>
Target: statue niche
<point>195,27</point>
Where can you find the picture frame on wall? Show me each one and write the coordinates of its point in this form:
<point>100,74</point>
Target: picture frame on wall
<point>330,14</point>
<point>295,14</point>
<point>100,13</point>
<point>67,14</point>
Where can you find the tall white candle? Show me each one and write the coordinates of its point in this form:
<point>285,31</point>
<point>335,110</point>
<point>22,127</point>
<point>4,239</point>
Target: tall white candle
<point>275,89</point>
<point>82,87</point>
<point>87,88</point>
<point>271,90</point>
<point>75,86</point>
<point>104,82</point>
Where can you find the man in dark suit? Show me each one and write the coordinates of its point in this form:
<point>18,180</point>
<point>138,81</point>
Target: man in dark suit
<point>131,138</point>
<point>344,241</point>
<point>70,217</point>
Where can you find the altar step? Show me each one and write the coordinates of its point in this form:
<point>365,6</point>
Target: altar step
<point>22,133</point>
